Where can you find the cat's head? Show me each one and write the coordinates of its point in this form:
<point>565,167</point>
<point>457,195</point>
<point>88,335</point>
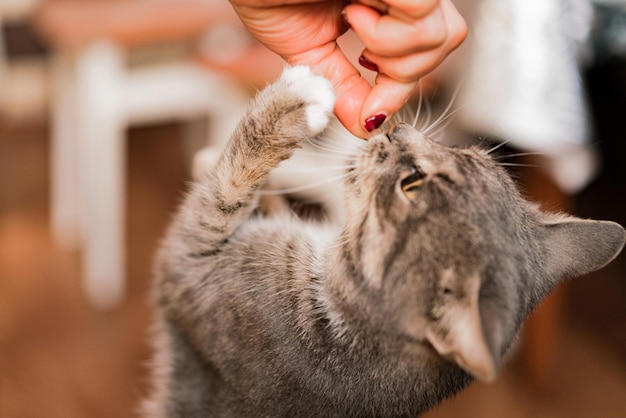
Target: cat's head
<point>452,253</point>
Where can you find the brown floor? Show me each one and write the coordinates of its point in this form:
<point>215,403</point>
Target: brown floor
<point>60,358</point>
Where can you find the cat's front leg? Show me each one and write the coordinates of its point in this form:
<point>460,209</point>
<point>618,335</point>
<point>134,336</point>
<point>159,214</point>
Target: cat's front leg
<point>296,107</point>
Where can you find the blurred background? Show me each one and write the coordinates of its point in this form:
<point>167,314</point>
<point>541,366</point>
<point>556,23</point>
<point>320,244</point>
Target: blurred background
<point>103,104</point>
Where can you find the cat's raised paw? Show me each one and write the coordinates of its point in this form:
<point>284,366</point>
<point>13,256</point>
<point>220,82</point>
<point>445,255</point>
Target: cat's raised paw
<point>316,91</point>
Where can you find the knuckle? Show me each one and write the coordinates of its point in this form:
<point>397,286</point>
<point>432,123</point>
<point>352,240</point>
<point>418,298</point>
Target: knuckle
<point>404,73</point>
<point>433,32</point>
<point>412,68</point>
<point>458,35</point>
<point>421,8</point>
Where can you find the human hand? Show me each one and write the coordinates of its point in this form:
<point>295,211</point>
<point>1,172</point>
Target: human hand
<point>403,39</point>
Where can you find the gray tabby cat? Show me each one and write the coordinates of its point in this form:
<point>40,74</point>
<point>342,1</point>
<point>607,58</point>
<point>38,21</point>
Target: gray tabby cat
<point>421,290</point>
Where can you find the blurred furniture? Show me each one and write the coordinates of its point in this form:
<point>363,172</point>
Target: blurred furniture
<point>543,333</point>
<point>98,92</point>
<point>23,75</point>
<point>3,51</point>
<point>521,72</point>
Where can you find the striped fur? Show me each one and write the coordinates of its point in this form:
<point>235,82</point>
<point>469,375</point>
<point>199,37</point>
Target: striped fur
<point>385,315</point>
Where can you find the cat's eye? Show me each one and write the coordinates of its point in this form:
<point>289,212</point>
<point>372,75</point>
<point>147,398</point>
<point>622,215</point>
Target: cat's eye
<point>412,184</point>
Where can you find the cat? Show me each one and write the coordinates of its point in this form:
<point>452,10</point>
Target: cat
<point>420,290</point>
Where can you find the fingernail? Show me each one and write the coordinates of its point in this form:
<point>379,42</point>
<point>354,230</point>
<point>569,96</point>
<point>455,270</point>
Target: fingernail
<point>368,64</point>
<point>374,122</point>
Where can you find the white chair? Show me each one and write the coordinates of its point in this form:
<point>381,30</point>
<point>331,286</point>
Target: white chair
<point>96,97</point>
<point>91,159</point>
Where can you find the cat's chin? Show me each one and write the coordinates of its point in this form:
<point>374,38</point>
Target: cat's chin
<point>419,347</point>
<point>422,352</point>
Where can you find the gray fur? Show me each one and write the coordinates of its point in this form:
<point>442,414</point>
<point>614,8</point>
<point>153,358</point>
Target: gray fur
<point>385,316</point>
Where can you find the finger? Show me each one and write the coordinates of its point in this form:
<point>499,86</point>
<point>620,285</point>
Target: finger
<point>387,35</point>
<point>379,5</point>
<point>457,26</point>
<point>269,4</point>
<point>386,98</point>
<point>405,9</point>
<point>405,69</point>
<point>412,8</point>
<point>350,88</point>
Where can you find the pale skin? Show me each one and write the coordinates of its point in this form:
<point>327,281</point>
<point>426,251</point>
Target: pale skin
<point>403,39</point>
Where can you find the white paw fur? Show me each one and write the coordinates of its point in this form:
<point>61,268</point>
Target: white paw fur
<point>316,91</point>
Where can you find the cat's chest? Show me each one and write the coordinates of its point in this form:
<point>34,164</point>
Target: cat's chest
<point>283,235</point>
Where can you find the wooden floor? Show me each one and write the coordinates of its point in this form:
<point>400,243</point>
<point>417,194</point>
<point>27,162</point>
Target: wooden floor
<point>61,358</point>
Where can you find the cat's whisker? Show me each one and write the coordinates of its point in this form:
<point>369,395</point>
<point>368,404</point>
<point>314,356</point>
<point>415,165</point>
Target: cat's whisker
<point>340,168</point>
<point>337,140</point>
<point>342,135</point>
<point>419,104</point>
<point>329,149</point>
<point>438,135</point>
<point>518,165</point>
<point>518,154</point>
<point>442,126</point>
<point>395,118</point>
<point>498,146</point>
<point>443,118</point>
<point>343,149</point>
<point>325,148</point>
<point>325,155</point>
<point>445,115</point>
<point>429,115</point>
<point>304,187</point>
<point>336,161</point>
<point>405,114</point>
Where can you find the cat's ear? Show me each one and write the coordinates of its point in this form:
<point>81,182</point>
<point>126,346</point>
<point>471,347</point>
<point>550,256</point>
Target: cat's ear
<point>574,247</point>
<point>458,335</point>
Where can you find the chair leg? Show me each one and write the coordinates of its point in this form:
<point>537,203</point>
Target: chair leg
<point>102,169</point>
<point>65,219</point>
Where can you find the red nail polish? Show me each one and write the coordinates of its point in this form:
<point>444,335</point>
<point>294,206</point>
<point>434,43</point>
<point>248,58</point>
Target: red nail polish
<point>374,122</point>
<point>368,64</point>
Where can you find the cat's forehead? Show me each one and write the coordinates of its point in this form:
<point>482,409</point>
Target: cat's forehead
<point>410,146</point>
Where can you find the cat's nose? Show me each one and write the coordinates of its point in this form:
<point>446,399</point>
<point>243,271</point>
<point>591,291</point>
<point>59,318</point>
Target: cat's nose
<point>398,130</point>
<point>405,132</point>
